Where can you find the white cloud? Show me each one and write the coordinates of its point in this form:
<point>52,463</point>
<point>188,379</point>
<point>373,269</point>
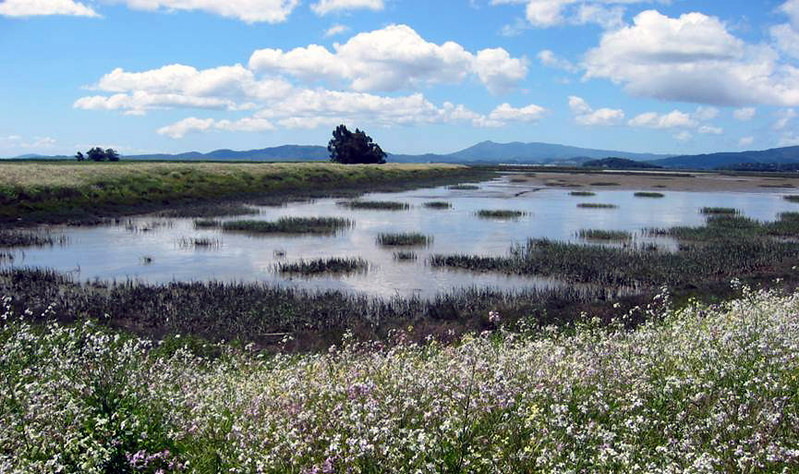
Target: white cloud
<point>789,139</point>
<point>692,58</point>
<point>744,114</point>
<point>784,118</point>
<point>684,136</point>
<point>390,59</point>
<point>248,11</point>
<point>549,13</point>
<point>336,30</point>
<point>193,124</point>
<point>550,59</point>
<point>585,115</point>
<point>176,85</point>
<point>786,39</point>
<point>706,113</point>
<point>506,113</point>
<point>710,130</point>
<point>22,8</point>
<point>323,7</point>
<point>746,141</point>
<point>791,8</point>
<point>673,119</point>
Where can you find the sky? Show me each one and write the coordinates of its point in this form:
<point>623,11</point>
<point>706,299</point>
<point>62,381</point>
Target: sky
<point>426,76</point>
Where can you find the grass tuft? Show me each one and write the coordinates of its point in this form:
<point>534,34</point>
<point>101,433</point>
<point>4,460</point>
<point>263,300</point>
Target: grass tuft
<point>291,225</point>
<point>649,194</point>
<point>499,214</point>
<point>582,193</point>
<point>598,234</point>
<point>596,205</point>
<point>322,266</point>
<point>376,205</point>
<point>464,187</point>
<point>437,205</point>
<point>30,238</point>
<point>716,211</point>
<point>403,239</point>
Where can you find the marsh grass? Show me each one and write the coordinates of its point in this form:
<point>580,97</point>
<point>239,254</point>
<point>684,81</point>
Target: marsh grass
<point>149,226</point>
<point>291,225</point>
<point>791,197</point>
<point>11,238</point>
<point>437,205</point>
<point>199,243</point>
<point>582,193</point>
<point>210,210</point>
<point>598,234</point>
<point>335,265</point>
<point>649,194</point>
<point>500,214</point>
<point>376,205</point>
<point>6,257</point>
<point>715,211</point>
<point>464,187</point>
<point>404,256</point>
<point>604,183</point>
<point>207,223</point>
<point>783,185</point>
<point>596,205</point>
<point>518,180</point>
<point>403,239</point>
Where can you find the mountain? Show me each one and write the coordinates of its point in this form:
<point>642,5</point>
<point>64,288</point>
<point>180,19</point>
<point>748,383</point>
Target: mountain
<point>775,156</point>
<point>517,152</point>
<point>278,153</point>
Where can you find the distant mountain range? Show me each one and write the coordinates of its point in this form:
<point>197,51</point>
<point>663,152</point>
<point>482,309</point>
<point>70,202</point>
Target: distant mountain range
<point>490,153</point>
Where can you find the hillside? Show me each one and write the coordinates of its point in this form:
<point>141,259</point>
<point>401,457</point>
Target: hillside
<point>777,156</point>
<point>619,164</point>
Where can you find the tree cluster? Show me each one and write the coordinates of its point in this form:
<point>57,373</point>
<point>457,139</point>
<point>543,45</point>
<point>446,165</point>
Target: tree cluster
<point>354,147</point>
<point>98,154</point>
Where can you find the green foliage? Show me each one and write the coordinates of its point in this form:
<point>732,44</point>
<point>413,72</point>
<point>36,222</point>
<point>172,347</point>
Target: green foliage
<point>98,154</point>
<point>322,266</point>
<point>500,214</point>
<point>348,147</point>
<point>403,239</point>
<point>290,225</point>
<point>376,205</point>
<point>598,234</point>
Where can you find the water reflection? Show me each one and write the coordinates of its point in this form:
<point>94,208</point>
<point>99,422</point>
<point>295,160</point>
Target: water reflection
<point>153,250</point>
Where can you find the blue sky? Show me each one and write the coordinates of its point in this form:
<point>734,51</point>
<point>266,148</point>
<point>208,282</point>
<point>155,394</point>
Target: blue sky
<point>664,76</point>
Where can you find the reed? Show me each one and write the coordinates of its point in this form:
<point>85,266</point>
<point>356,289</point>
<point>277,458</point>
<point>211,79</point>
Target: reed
<point>596,205</point>
<point>464,187</point>
<point>437,205</point>
<point>376,205</point>
<point>649,194</point>
<point>710,211</point>
<point>598,234</point>
<point>791,197</point>
<point>322,266</point>
<point>207,223</point>
<point>199,242</point>
<point>582,193</point>
<point>210,210</point>
<point>291,225</point>
<point>500,214</point>
<point>404,256</point>
<point>30,238</point>
<point>403,239</point>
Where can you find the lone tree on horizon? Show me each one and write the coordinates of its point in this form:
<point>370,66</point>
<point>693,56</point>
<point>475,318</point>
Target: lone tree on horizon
<point>98,154</point>
<point>354,147</point>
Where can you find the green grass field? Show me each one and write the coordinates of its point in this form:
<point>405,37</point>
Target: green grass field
<point>61,191</point>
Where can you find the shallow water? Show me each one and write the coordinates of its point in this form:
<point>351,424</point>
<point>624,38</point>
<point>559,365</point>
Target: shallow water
<point>120,252</point>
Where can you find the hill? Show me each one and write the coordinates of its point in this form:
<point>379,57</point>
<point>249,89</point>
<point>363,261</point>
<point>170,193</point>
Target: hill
<point>774,156</point>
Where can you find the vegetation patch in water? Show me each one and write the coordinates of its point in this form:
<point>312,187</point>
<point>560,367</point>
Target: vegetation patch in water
<point>791,197</point>
<point>321,266</point>
<point>290,225</point>
<point>714,211</point>
<point>582,193</point>
<point>376,205</point>
<point>30,238</point>
<point>199,243</point>
<point>437,205</point>
<point>464,187</point>
<point>403,256</point>
<point>598,234</point>
<point>403,239</point>
<point>500,214</point>
<point>604,183</point>
<point>649,194</point>
<point>596,205</point>
<point>207,223</point>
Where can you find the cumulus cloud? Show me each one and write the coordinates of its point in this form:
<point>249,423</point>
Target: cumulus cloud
<point>391,59</point>
<point>585,115</point>
<point>693,58</point>
<point>784,118</point>
<point>710,130</point>
<point>791,8</point>
<point>248,11</point>
<point>549,13</point>
<point>312,108</point>
<point>746,141</point>
<point>177,85</point>
<point>23,8</point>
<point>673,119</point>
<point>744,114</point>
<point>323,7</point>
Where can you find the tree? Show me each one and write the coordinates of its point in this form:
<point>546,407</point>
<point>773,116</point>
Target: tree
<point>96,154</point>
<point>111,155</point>
<point>354,147</point>
<point>79,156</point>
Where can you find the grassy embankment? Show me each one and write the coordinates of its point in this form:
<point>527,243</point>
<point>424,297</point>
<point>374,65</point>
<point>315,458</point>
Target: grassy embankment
<point>57,192</point>
<point>702,389</point>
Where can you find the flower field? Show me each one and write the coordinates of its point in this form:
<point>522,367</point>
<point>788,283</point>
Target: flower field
<point>700,390</point>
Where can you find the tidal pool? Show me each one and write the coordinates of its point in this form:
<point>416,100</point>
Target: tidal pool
<point>159,254</point>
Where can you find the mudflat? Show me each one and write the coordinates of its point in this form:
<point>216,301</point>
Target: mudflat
<point>659,181</point>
